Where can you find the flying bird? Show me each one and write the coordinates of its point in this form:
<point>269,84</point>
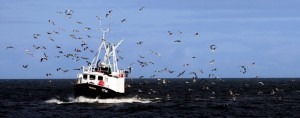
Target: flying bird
<point>87,28</point>
<point>78,22</point>
<point>244,69</point>
<point>194,74</point>
<point>25,66</point>
<point>142,8</point>
<point>212,61</point>
<point>170,33</point>
<point>213,48</point>
<point>51,21</point>
<point>108,14</point>
<point>181,73</point>
<point>45,57</point>
<point>123,20</point>
<point>48,74</point>
<point>140,43</point>
<point>9,47</point>
<point>253,64</point>
<point>178,41</point>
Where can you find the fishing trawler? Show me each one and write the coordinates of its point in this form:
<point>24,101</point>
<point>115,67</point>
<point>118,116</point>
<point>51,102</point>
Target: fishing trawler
<point>102,78</point>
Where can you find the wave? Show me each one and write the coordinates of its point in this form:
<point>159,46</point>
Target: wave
<point>96,100</point>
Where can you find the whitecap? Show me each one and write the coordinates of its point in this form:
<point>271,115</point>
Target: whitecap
<point>97,100</point>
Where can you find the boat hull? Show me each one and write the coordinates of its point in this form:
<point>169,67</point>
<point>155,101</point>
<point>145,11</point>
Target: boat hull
<point>94,91</point>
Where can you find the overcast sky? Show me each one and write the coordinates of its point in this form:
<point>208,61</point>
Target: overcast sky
<point>264,32</point>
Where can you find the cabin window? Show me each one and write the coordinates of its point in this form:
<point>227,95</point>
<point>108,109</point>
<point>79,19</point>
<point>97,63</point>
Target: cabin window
<point>100,78</point>
<point>84,77</point>
<point>92,77</point>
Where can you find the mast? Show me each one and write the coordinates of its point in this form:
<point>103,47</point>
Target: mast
<point>110,55</point>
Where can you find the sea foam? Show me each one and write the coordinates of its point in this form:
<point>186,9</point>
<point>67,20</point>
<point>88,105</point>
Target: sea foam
<point>96,100</point>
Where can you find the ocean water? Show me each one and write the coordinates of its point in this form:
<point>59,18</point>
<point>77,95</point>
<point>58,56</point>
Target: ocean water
<point>154,98</point>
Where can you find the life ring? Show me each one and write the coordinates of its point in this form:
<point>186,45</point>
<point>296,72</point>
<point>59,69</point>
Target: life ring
<point>121,75</point>
<point>101,83</point>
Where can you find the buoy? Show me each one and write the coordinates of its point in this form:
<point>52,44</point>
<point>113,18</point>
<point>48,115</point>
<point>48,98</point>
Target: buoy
<point>121,75</point>
<point>101,83</point>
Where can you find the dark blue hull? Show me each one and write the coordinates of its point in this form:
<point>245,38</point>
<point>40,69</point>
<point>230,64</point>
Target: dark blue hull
<point>94,91</point>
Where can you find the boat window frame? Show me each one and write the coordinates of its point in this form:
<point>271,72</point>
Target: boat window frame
<point>100,78</point>
<point>85,77</point>
<point>94,77</point>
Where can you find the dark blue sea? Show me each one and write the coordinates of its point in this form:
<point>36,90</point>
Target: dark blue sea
<point>154,98</point>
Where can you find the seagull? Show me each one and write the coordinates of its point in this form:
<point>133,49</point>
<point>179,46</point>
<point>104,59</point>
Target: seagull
<point>78,22</point>
<point>51,38</point>
<point>211,75</point>
<point>123,20</point>
<point>69,11</point>
<point>109,13</point>
<point>180,32</point>
<point>213,48</point>
<point>28,52</point>
<point>139,43</point>
<point>151,62</point>
<point>170,33</point>
<point>212,61</point>
<point>45,57</point>
<point>58,69</point>
<point>88,36</point>
<point>51,21</point>
<point>56,32</point>
<point>59,12</point>
<point>152,76</point>
<point>186,64</point>
<point>158,54</point>
<point>77,50</point>
<point>9,47</point>
<point>141,57</point>
<point>201,71</point>
<point>141,8</point>
<point>65,71</point>
<point>87,28</point>
<point>36,36</point>
<point>181,73</point>
<point>61,29</point>
<point>75,30</point>
<point>194,74</point>
<point>36,47</point>
<point>48,74</point>
<point>177,41</point>
<point>244,69</point>
<point>25,66</point>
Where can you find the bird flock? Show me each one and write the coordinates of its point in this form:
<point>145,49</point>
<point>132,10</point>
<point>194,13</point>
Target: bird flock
<point>81,35</point>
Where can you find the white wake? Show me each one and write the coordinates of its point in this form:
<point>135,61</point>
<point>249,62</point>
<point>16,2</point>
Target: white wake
<point>105,101</point>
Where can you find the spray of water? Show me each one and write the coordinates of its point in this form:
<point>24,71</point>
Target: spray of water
<point>105,101</point>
